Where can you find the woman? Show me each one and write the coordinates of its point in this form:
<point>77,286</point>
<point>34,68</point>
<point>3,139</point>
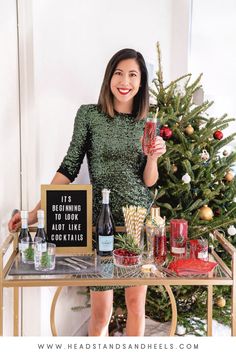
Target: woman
<point>109,133</point>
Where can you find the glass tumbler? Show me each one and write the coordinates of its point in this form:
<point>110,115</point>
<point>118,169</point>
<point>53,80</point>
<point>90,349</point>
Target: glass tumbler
<point>45,259</point>
<point>156,244</point>
<point>202,249</point>
<point>28,249</point>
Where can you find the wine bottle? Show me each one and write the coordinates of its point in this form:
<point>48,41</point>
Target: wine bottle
<point>40,229</point>
<point>105,227</point>
<point>24,232</point>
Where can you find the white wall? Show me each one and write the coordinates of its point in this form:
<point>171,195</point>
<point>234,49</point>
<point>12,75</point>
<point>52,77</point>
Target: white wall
<point>9,113</point>
<point>213,52</point>
<point>72,45</point>
<point>9,131</point>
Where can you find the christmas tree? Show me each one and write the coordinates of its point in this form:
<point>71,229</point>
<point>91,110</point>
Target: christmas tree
<point>194,172</point>
<point>196,183</point>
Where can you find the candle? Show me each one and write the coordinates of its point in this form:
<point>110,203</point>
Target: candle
<point>178,236</point>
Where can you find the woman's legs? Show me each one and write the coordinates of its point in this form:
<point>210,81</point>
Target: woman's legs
<point>101,311</point>
<point>135,298</point>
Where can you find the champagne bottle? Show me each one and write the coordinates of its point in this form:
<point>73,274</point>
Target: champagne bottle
<point>40,229</point>
<point>24,232</point>
<point>105,227</point>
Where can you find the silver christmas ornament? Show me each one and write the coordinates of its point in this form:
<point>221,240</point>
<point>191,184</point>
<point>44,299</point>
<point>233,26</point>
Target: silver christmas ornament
<point>204,155</point>
<point>231,230</point>
<point>186,178</point>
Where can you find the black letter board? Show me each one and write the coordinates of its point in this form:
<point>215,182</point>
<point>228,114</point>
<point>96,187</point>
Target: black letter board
<point>68,216</point>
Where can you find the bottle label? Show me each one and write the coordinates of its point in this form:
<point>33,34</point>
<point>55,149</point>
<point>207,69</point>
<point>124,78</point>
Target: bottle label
<point>41,247</point>
<point>202,255</point>
<point>22,246</point>
<point>106,243</point>
<point>24,223</point>
<point>41,223</point>
<point>178,250</point>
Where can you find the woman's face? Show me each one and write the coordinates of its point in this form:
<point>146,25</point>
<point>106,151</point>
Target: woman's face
<point>125,83</point>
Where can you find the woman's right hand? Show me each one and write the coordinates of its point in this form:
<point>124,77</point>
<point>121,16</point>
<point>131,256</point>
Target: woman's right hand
<point>15,221</point>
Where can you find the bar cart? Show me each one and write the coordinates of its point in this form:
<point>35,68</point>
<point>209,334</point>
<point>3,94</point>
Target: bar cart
<point>108,274</point>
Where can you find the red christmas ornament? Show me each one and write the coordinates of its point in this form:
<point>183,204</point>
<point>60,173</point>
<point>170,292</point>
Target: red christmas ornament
<point>218,135</point>
<point>217,212</point>
<point>165,132</point>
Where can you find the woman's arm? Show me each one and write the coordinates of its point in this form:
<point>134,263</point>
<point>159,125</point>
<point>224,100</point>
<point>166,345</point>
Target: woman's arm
<point>150,173</point>
<point>15,221</point>
<point>70,165</point>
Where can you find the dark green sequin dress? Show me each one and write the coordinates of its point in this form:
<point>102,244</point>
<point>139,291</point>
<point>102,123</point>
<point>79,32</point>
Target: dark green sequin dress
<point>115,159</point>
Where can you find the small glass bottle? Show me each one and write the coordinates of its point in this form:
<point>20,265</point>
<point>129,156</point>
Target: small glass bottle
<point>156,237</point>
<point>40,230</point>
<point>149,135</point>
<point>178,237</point>
<point>24,232</point>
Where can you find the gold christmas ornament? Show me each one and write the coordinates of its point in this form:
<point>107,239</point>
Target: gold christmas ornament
<point>229,176</point>
<point>205,213</point>
<point>174,168</point>
<point>221,302</point>
<point>189,130</point>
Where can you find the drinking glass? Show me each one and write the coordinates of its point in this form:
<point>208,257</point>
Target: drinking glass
<point>28,249</point>
<point>149,135</point>
<point>45,259</point>
<point>197,248</point>
<point>202,249</point>
<point>156,244</point>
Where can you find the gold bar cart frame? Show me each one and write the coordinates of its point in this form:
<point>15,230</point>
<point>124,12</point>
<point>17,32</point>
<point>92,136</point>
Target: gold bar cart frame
<point>17,283</point>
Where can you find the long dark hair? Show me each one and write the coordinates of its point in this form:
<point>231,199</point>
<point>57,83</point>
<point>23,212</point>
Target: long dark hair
<point>141,99</point>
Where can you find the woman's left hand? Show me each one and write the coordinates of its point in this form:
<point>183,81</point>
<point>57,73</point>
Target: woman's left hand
<point>158,149</point>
